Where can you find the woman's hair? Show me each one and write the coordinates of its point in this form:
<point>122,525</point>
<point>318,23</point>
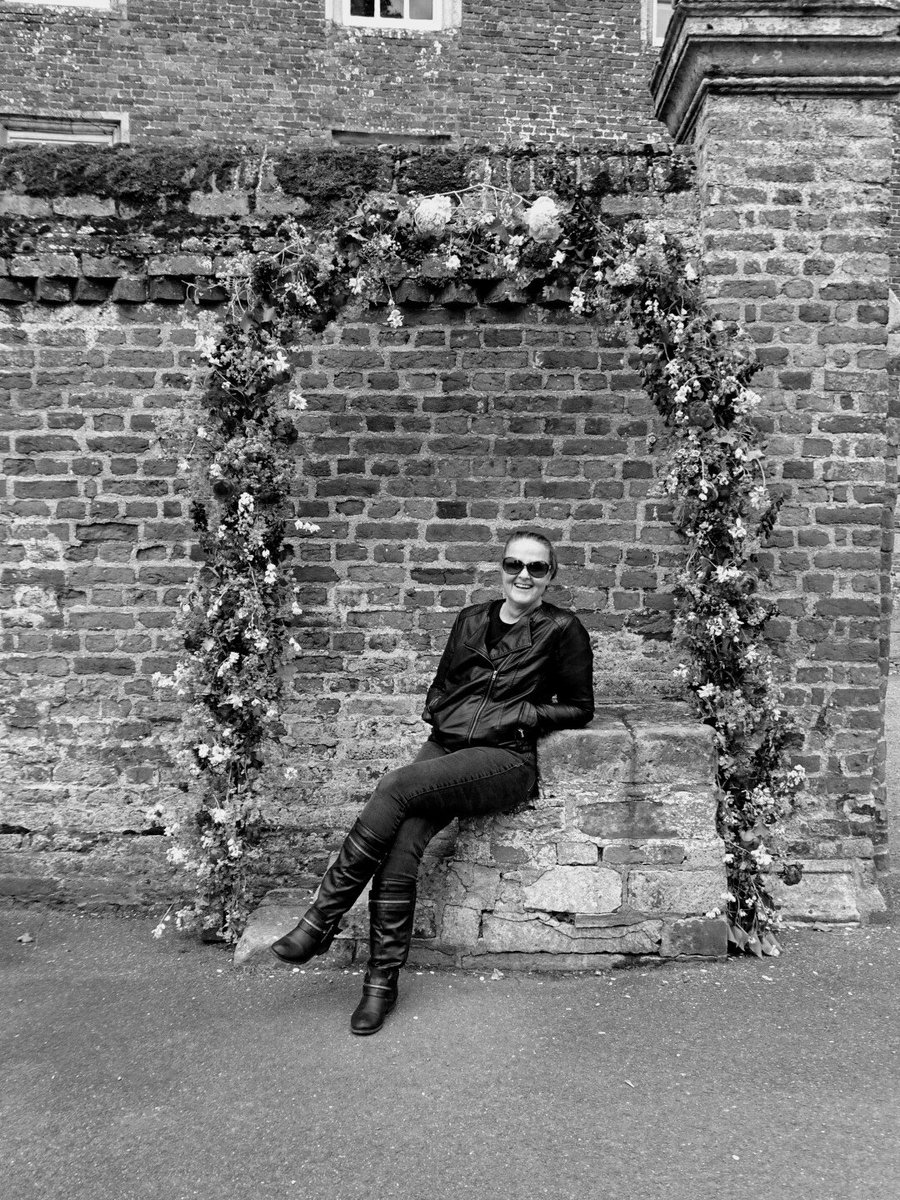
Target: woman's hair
<point>535,537</point>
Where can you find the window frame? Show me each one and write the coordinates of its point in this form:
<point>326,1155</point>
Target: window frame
<point>652,9</point>
<point>447,14</point>
<point>72,129</point>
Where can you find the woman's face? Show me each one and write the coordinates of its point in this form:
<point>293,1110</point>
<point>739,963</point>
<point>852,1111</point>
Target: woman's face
<point>522,591</point>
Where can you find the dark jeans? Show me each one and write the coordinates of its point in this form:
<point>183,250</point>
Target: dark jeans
<point>410,805</point>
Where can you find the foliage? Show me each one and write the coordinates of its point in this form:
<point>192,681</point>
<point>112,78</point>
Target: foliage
<point>695,368</point>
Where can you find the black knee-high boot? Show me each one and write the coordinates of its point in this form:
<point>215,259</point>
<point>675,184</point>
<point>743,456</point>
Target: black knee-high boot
<point>357,861</point>
<point>392,907</point>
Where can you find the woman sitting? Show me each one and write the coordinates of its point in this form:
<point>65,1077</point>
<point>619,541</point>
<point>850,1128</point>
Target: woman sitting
<point>513,668</point>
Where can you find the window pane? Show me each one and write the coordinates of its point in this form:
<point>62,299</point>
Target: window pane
<point>362,8</point>
<point>421,10</point>
<point>662,15</point>
<point>392,8</point>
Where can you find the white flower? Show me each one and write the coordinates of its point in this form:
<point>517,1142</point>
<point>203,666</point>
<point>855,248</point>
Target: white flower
<point>690,272</point>
<point>202,750</point>
<point>726,574</point>
<point>218,815</point>
<point>290,774</point>
<point>558,259</point>
<point>542,220</point>
<point>432,214</point>
<point>356,285</point>
<point>215,471</point>
<point>739,529</point>
<point>159,930</point>
<point>280,362</point>
<point>176,855</point>
<point>394,317</point>
<point>681,673</point>
<point>183,466</point>
<point>201,433</point>
<point>707,692</point>
<point>625,274</point>
<point>294,645</point>
<point>245,505</point>
<point>297,401</point>
<point>306,527</point>
<point>576,302</point>
<point>271,575</point>
<point>296,610</point>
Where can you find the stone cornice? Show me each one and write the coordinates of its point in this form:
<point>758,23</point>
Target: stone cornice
<point>830,47</point>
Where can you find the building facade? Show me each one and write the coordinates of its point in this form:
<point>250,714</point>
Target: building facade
<point>763,135</point>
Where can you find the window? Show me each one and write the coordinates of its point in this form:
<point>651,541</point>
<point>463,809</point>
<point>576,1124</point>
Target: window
<point>660,15</point>
<point>93,129</point>
<point>395,14</point>
<point>359,137</point>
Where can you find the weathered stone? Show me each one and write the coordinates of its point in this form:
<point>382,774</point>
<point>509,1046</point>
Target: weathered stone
<point>658,813</point>
<point>130,291</point>
<point>575,890</point>
<point>670,890</point>
<point>460,926</point>
<point>577,853</point>
<point>646,853</point>
<point>84,206</point>
<point>531,935</point>
<point>57,265</point>
<point>680,755</point>
<point>180,264</point>
<point>601,753</point>
<point>819,896</point>
<point>706,936</point>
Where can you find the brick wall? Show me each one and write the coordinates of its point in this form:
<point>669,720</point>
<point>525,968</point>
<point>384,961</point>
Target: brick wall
<point>796,197</point>
<point>274,71</point>
<point>421,448</point>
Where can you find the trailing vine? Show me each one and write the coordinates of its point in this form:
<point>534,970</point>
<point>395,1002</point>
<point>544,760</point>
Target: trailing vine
<point>696,369</point>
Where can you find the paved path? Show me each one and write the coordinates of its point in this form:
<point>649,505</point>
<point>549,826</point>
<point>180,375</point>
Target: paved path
<point>134,1068</point>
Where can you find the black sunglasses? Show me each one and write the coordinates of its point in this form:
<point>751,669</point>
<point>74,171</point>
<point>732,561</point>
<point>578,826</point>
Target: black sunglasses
<point>537,570</point>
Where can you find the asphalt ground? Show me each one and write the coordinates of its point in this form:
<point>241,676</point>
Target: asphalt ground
<point>139,1068</point>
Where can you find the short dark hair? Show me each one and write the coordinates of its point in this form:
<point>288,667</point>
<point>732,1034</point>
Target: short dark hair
<point>535,537</point>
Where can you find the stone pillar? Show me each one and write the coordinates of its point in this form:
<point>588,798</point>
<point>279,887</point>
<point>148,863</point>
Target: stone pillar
<point>791,110</point>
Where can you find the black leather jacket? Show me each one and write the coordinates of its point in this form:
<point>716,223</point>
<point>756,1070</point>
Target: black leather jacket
<point>537,678</point>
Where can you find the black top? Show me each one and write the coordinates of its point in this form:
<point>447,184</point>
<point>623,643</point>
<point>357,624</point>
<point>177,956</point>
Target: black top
<point>497,627</point>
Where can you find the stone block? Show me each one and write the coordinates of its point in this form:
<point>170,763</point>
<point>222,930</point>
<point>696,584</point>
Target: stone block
<point>93,267</point>
<point>84,206</point>
<point>14,205</point>
<point>703,936</point>
<point>575,889</point>
<point>53,291</point>
<point>826,896</point>
<point>460,926</point>
<point>130,291</point>
<point>166,291</point>
<point>89,292</point>
<point>543,935</point>
<point>599,754</point>
<point>14,293</point>
<point>675,891</point>
<point>637,816</point>
<point>674,755</point>
<point>219,204</point>
<point>645,853</point>
<point>577,853</point>
<point>180,264</point>
<point>59,265</point>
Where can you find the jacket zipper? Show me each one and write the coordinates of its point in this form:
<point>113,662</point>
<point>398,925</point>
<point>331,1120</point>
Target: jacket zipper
<point>480,709</point>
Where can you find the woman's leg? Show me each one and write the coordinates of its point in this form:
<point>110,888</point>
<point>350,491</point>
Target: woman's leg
<point>357,860</point>
<point>470,787</point>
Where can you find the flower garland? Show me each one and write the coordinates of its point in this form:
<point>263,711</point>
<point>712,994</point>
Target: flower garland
<point>695,368</point>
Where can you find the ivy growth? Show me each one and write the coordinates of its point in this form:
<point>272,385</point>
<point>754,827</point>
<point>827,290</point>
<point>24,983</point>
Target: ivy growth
<point>696,369</point>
